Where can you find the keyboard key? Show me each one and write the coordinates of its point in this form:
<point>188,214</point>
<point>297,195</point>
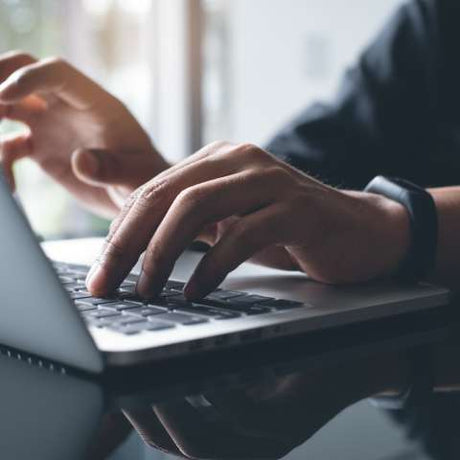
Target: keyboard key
<point>179,285</point>
<point>121,306</point>
<point>77,272</point>
<point>66,279</point>
<point>60,267</point>
<point>166,293</point>
<point>136,328</point>
<point>256,310</point>
<point>79,295</point>
<point>175,298</point>
<point>129,319</point>
<point>127,289</point>
<point>85,306</point>
<point>146,311</point>
<point>224,295</point>
<point>180,318</point>
<point>250,300</point>
<point>99,322</point>
<point>127,283</point>
<point>100,313</point>
<point>208,312</point>
<point>247,309</point>
<point>87,299</point>
<point>280,304</point>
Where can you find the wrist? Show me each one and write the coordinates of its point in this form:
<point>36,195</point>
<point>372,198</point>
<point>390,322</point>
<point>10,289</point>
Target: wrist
<point>388,223</point>
<point>396,233</point>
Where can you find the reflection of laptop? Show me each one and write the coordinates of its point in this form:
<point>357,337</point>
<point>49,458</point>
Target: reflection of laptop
<point>38,314</point>
<point>58,411</point>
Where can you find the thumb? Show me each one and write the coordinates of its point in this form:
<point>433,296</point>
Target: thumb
<point>101,167</point>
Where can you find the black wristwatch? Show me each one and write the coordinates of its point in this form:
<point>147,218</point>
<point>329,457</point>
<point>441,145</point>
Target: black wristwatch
<point>421,257</point>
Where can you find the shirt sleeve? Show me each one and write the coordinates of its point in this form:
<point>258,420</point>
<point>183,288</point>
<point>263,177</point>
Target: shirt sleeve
<point>382,118</point>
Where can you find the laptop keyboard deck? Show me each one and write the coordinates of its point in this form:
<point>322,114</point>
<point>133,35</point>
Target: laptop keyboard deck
<point>125,312</point>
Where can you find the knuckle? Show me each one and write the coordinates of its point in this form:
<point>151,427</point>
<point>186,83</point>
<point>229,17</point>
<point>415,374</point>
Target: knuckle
<point>59,66</point>
<point>55,61</point>
<point>216,145</point>
<point>250,151</point>
<point>190,197</point>
<point>277,172</point>
<point>149,194</point>
<point>214,150</point>
<point>113,250</point>
<point>274,175</point>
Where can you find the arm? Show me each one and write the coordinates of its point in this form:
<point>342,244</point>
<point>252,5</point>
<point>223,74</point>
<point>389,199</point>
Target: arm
<point>447,201</point>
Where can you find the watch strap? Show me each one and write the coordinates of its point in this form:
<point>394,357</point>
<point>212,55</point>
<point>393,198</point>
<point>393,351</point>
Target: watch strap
<point>421,256</point>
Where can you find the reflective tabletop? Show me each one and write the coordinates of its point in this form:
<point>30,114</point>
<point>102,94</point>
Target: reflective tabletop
<point>298,398</point>
<point>380,390</point>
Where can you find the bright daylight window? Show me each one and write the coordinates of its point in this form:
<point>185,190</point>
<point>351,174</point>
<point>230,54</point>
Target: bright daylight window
<point>256,70</point>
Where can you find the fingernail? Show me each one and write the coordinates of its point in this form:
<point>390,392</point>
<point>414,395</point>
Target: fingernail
<point>144,288</point>
<point>93,279</point>
<point>91,271</point>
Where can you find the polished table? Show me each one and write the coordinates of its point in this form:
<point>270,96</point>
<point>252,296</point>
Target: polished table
<point>304,397</point>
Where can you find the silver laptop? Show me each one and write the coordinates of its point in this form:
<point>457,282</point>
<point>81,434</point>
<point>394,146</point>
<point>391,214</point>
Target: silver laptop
<point>46,310</point>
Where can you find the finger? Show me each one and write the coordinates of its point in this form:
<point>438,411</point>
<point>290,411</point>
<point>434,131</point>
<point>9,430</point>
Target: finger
<point>56,77</point>
<point>275,256</point>
<point>192,434</point>
<point>25,111</point>
<point>12,61</point>
<point>150,429</point>
<point>100,167</point>
<point>194,208</point>
<point>140,217</point>
<point>13,148</point>
<point>242,241</point>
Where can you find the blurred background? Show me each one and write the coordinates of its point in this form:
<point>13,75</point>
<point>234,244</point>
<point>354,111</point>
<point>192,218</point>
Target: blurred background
<point>192,71</point>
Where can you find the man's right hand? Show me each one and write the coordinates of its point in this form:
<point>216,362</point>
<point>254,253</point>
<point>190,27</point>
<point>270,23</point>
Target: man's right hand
<point>79,134</point>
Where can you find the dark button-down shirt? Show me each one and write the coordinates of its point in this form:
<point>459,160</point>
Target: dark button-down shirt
<point>398,110</point>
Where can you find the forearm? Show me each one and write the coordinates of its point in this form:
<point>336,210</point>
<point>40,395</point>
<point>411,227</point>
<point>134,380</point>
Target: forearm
<point>447,200</point>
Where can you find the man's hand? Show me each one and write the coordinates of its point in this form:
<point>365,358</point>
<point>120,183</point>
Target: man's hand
<point>80,135</point>
<point>252,205</point>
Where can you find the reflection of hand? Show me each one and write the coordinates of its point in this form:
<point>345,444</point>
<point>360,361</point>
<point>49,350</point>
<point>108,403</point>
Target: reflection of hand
<point>80,135</point>
<point>332,235</point>
<point>265,420</point>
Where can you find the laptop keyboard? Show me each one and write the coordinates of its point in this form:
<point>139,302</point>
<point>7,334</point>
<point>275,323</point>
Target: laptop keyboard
<point>125,312</point>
